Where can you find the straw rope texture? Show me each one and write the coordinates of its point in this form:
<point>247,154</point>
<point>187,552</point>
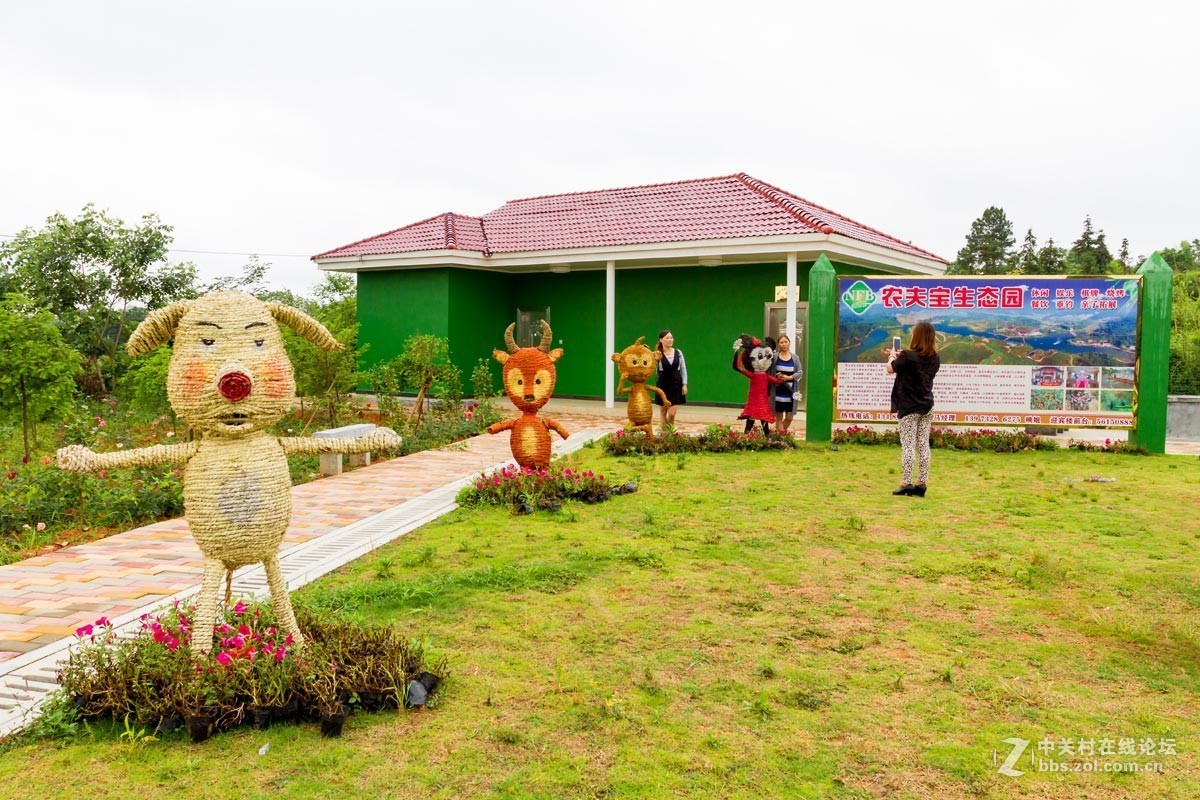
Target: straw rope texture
<point>529,377</point>
<point>636,364</point>
<point>230,380</point>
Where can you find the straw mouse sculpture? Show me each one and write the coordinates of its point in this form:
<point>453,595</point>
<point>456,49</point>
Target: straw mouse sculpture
<point>637,363</point>
<point>230,379</point>
<point>528,377</point>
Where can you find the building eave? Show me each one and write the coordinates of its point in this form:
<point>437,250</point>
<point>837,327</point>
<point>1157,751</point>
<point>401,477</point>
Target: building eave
<point>658,254</point>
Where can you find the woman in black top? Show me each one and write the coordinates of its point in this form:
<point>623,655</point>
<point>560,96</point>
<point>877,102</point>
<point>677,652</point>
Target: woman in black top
<point>672,377</point>
<point>912,403</point>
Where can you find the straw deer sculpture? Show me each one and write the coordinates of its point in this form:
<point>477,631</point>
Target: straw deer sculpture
<point>528,378</point>
<point>637,363</point>
<point>230,379</point>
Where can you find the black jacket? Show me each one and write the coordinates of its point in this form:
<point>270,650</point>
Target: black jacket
<point>912,393</point>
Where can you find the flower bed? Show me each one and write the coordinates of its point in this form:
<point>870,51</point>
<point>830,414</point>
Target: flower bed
<point>715,439</point>
<point>254,675</point>
<point>951,439</point>
<point>525,489</point>
<point>1109,446</point>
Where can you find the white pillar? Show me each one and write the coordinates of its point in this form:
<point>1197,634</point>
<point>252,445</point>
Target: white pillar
<point>610,332</point>
<point>792,297</point>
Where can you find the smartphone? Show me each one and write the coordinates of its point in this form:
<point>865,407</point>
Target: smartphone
<point>896,343</point>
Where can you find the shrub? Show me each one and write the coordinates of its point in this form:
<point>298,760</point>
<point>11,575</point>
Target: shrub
<point>1109,446</point>
<point>951,439</point>
<point>715,439</point>
<point>526,489</point>
<point>154,678</point>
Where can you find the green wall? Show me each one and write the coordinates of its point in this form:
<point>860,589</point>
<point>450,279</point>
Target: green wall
<point>396,304</point>
<point>576,302</point>
<point>480,308</point>
<point>705,307</point>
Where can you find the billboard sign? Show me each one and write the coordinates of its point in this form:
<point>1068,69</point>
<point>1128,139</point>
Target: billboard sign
<point>1015,350</point>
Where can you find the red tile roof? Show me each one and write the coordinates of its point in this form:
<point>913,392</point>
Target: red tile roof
<point>729,207</point>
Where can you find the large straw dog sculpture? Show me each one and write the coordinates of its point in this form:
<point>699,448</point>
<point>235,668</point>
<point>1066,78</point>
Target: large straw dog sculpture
<point>637,363</point>
<point>529,381</point>
<point>230,380</point>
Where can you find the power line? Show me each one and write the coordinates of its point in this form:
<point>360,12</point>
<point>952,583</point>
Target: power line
<point>210,252</point>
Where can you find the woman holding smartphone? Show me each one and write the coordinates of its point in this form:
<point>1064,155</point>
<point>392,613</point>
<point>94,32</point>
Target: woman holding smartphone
<point>912,402</point>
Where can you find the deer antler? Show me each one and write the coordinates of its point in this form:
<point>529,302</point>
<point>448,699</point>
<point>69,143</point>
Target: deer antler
<point>547,337</point>
<point>508,338</point>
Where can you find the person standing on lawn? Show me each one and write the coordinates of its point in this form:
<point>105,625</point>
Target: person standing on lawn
<point>912,402</point>
<point>672,377</point>
<point>786,366</point>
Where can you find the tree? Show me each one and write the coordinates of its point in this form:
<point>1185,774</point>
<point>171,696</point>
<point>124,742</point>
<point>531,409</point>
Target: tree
<point>1089,255</point>
<point>1123,256</point>
<point>1026,261</point>
<point>37,368</point>
<point>425,361</point>
<point>89,271</point>
<point>989,246</point>
<point>1051,259</point>
<point>329,376</point>
<point>1184,258</point>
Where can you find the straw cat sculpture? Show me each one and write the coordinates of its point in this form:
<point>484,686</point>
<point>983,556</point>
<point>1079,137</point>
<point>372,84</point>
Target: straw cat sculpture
<point>230,379</point>
<point>637,363</point>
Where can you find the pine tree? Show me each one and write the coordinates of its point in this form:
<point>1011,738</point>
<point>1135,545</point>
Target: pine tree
<point>989,246</point>
<point>1104,258</point>
<point>1081,259</point>
<point>1051,259</point>
<point>1026,261</point>
<point>1123,256</point>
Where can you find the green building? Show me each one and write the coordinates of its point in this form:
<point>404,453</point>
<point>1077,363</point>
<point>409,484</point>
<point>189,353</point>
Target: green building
<point>708,259</point>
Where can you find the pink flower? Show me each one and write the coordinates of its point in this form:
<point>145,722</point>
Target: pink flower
<point>280,653</point>
<point>224,659</point>
<point>239,608</point>
<point>237,641</point>
<point>288,639</point>
<point>41,526</point>
<point>101,423</point>
<point>244,629</point>
<point>173,643</point>
<point>103,623</point>
<point>83,630</point>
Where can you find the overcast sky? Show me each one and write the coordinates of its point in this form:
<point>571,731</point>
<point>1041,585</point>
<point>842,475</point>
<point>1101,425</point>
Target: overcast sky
<point>291,128</point>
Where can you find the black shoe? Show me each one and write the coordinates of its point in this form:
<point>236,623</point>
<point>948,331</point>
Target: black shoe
<point>918,490</point>
<point>905,489</point>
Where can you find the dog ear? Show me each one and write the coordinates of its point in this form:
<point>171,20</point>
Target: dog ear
<point>157,328</point>
<point>555,354</point>
<point>616,358</point>
<point>306,326</point>
<point>500,356</point>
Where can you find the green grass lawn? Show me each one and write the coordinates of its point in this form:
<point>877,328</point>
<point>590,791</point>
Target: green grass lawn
<point>754,625</point>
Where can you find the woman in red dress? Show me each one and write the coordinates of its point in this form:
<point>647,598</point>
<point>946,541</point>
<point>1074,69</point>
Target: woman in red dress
<point>753,358</point>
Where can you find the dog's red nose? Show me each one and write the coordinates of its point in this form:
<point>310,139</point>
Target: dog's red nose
<point>234,386</point>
